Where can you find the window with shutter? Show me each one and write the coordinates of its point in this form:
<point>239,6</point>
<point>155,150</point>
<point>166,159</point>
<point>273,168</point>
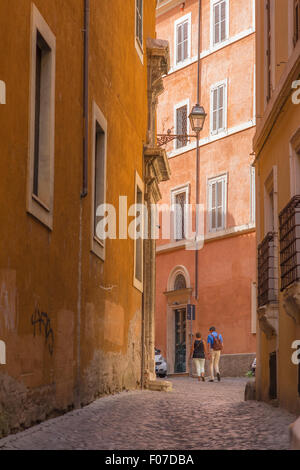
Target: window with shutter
<point>217,189</point>
<point>220,21</point>
<point>181,125</point>
<point>218,108</point>
<point>139,21</point>
<point>182,41</point>
<point>179,200</point>
<point>296,21</point>
<point>180,203</point>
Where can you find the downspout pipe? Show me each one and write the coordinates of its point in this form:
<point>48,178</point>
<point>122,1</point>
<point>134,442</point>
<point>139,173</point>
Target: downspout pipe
<point>197,160</point>
<point>86,33</point>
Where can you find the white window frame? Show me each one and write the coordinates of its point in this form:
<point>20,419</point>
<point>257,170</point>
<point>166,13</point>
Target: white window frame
<point>174,192</point>
<point>181,20</point>
<point>225,107</point>
<point>35,206</point>
<point>252,195</point>
<point>210,182</point>
<point>136,282</point>
<point>212,23</point>
<point>177,106</point>
<point>138,46</point>
<point>97,245</point>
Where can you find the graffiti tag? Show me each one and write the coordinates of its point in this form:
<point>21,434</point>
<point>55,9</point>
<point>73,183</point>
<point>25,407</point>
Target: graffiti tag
<point>41,321</point>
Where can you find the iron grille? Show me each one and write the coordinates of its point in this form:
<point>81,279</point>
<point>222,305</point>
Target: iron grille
<point>289,220</point>
<point>266,271</point>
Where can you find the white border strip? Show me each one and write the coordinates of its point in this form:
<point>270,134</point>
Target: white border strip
<point>213,138</point>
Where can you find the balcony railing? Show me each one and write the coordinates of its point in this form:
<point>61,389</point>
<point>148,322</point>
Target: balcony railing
<point>289,221</point>
<point>267,281</point>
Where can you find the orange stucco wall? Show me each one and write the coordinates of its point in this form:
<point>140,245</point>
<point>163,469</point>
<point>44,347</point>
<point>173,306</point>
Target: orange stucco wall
<point>227,265</point>
<point>93,309</point>
<point>275,152</point>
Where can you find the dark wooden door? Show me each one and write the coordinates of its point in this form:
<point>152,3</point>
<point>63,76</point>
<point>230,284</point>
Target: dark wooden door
<point>273,375</point>
<point>180,341</point>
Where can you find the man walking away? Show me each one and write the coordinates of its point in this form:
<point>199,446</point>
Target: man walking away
<point>215,346</point>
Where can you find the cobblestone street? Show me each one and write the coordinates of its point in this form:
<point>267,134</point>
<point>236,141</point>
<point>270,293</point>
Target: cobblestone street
<point>193,416</point>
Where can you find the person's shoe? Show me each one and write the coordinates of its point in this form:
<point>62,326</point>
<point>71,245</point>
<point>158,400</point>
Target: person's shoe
<point>211,380</point>
<point>203,379</point>
<point>219,377</point>
<point>199,378</point>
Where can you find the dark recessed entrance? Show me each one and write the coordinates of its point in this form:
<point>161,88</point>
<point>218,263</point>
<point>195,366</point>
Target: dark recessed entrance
<point>273,376</point>
<point>180,341</point>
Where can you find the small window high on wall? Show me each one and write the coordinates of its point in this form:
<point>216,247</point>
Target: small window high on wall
<point>182,39</point>
<point>220,21</point>
<point>218,105</point>
<point>179,202</point>
<point>217,203</point>
<point>42,111</point>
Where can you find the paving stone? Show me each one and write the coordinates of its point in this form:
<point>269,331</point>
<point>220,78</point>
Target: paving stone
<point>194,415</point>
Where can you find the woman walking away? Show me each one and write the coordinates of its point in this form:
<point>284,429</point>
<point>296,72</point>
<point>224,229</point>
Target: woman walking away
<point>198,353</point>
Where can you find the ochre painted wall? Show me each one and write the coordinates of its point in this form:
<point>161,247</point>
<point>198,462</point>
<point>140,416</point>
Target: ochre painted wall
<point>274,151</point>
<point>97,331</point>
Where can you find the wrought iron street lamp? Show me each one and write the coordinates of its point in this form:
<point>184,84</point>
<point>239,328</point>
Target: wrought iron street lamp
<point>197,118</point>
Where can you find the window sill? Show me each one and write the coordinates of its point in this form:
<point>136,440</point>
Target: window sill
<point>139,50</point>
<point>138,285</point>
<point>98,248</point>
<point>40,211</point>
<point>38,200</point>
<point>230,232</point>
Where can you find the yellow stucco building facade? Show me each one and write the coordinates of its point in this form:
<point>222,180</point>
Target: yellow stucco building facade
<point>79,85</point>
<point>277,163</point>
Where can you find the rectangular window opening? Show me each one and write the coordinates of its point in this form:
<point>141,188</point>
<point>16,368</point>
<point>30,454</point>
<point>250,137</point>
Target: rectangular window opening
<point>181,126</point>
<point>99,196</point>
<point>41,167</point>
<point>218,108</point>
<point>139,240</point>
<point>139,22</point>
<point>217,203</point>
<point>219,18</point>
<point>182,41</point>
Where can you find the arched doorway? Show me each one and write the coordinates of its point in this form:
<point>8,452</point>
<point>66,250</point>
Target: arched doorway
<point>178,296</point>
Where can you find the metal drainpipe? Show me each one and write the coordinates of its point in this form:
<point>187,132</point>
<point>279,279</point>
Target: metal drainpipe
<point>84,192</point>
<point>197,158</point>
<point>86,32</point>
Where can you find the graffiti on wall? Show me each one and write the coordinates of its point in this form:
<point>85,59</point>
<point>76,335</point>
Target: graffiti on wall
<point>41,322</point>
<point>2,353</point>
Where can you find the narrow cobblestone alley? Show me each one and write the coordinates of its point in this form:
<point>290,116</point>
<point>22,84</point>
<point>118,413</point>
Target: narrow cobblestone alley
<point>193,416</point>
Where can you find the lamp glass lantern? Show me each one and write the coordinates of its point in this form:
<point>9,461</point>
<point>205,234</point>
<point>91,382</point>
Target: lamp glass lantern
<point>197,118</point>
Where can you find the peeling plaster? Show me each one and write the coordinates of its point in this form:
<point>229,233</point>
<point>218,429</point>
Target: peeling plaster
<point>7,300</point>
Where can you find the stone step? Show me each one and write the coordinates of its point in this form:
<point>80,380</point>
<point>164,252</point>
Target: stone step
<point>159,386</point>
